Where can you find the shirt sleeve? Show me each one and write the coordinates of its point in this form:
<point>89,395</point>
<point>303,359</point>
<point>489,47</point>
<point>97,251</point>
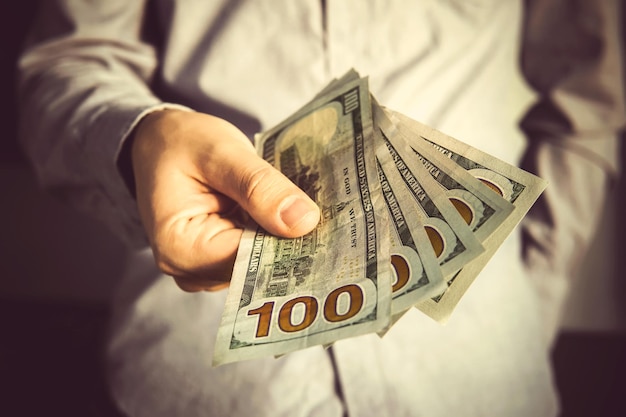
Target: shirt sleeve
<point>82,87</point>
<point>572,58</point>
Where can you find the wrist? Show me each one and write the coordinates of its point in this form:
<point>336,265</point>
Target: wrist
<point>125,156</point>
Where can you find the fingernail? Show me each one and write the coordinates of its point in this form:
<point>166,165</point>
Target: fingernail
<point>296,211</point>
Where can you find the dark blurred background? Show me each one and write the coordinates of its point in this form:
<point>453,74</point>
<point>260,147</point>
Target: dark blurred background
<point>59,269</point>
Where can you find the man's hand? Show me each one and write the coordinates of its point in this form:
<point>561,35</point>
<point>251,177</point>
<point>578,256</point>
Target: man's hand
<point>194,174</point>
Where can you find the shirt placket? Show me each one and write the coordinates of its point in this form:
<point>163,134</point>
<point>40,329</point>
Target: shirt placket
<point>360,381</point>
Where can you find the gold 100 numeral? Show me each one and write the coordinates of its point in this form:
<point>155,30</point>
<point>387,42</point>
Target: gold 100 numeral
<point>311,307</point>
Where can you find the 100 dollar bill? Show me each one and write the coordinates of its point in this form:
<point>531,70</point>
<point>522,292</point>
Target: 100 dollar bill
<point>335,282</point>
<point>451,238</point>
<point>509,182</point>
<point>415,266</point>
<point>482,209</point>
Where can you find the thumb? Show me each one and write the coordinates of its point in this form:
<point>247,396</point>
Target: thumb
<point>269,197</point>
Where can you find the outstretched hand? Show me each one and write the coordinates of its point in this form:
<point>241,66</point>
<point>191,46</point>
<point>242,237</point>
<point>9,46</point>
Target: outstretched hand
<point>196,178</point>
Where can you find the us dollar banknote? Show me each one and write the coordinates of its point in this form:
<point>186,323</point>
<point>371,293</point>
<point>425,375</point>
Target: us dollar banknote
<point>519,187</point>
<point>410,216</point>
<point>509,182</point>
<point>482,209</point>
<point>453,241</point>
<point>335,282</point>
<point>415,267</point>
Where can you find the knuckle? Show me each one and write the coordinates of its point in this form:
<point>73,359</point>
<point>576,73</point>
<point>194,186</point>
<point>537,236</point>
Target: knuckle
<point>165,251</point>
<point>185,285</point>
<point>164,264</point>
<point>259,181</point>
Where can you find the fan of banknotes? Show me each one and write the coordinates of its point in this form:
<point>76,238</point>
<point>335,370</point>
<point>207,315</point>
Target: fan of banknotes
<point>410,216</point>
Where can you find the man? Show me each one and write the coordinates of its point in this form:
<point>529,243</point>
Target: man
<point>111,86</point>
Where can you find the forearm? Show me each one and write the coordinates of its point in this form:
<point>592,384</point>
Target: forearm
<point>83,85</point>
